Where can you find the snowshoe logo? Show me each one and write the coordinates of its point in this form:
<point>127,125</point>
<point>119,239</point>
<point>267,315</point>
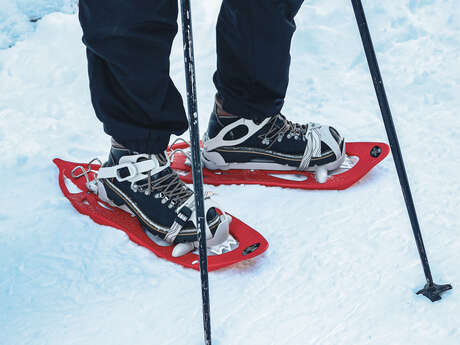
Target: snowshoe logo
<point>251,249</point>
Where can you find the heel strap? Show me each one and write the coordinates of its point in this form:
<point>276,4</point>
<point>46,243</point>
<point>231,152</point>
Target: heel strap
<point>136,170</point>
<point>219,141</point>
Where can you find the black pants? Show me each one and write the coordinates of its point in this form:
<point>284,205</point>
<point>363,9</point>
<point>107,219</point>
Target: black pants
<point>128,46</point>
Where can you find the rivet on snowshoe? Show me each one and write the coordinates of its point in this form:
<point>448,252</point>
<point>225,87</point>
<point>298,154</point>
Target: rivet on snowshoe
<point>376,151</point>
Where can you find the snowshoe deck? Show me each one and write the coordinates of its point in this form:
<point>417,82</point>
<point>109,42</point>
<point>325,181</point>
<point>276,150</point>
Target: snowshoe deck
<point>250,242</point>
<point>361,158</point>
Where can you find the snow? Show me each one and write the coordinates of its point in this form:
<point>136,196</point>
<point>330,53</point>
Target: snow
<point>342,267</point>
<point>19,17</point>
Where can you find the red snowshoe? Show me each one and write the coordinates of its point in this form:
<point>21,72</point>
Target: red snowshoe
<point>246,243</point>
<point>360,158</point>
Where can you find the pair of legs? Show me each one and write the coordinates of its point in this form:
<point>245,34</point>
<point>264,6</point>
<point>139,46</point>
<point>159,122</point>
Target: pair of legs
<point>128,48</point>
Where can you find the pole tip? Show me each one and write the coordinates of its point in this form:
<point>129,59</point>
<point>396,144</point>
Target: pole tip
<point>434,291</point>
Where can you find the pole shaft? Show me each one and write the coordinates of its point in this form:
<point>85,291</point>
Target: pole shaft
<point>196,160</point>
<point>391,132</point>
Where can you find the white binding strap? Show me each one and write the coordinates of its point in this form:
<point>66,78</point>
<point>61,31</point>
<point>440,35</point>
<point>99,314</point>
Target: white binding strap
<point>313,147</point>
<point>219,141</point>
<point>328,139</point>
<point>315,135</point>
<point>136,169</point>
<point>221,234</point>
<point>176,228</point>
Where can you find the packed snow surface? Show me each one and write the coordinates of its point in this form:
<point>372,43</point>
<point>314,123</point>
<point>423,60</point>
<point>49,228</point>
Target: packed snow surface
<point>342,267</point>
<point>19,17</point>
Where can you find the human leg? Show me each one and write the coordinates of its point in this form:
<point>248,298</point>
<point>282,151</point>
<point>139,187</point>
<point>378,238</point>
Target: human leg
<point>246,129</point>
<point>253,44</point>
<point>128,47</point>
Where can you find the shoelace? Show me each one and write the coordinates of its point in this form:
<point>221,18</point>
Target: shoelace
<point>168,187</point>
<point>288,129</point>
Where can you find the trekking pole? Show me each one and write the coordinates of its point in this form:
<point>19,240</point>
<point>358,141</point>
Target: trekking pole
<point>431,290</point>
<point>196,161</point>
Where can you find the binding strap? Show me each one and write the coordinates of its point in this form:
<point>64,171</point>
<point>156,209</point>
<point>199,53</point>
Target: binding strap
<point>183,216</point>
<point>315,135</point>
<point>219,141</point>
<point>133,168</point>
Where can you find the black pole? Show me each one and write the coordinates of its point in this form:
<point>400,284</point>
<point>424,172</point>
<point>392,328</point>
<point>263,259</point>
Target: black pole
<point>431,290</point>
<point>196,161</point>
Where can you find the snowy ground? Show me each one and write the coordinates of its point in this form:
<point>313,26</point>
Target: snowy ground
<point>342,267</point>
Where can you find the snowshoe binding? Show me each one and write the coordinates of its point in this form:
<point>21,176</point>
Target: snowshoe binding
<point>233,142</point>
<point>141,195</point>
<point>276,152</point>
<point>147,187</point>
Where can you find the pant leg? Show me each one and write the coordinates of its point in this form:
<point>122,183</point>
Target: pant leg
<point>253,44</point>
<point>128,47</point>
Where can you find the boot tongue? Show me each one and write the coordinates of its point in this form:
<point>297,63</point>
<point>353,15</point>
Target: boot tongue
<point>276,122</point>
<point>279,121</point>
<point>117,152</point>
<point>161,157</point>
<point>163,160</point>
